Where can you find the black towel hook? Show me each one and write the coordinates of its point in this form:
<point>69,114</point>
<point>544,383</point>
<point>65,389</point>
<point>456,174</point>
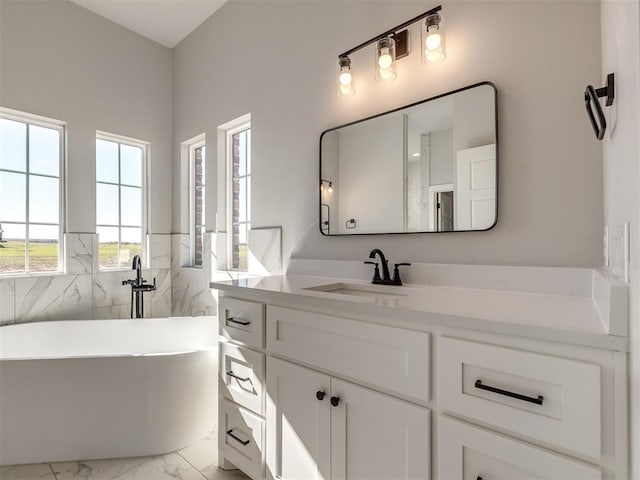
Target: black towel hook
<point>591,96</point>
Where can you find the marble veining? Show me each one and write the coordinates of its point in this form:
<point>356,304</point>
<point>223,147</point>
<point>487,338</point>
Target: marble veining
<point>79,252</point>
<point>190,293</point>
<point>196,462</point>
<point>160,299</point>
<point>7,293</point>
<point>27,472</point>
<point>160,250</point>
<point>265,251</point>
<point>179,250</point>
<point>54,297</point>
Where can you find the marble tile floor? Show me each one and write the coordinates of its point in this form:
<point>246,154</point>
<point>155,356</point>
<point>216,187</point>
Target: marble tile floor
<point>196,462</point>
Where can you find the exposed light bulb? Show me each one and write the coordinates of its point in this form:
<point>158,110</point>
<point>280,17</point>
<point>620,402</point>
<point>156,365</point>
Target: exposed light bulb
<point>385,59</point>
<point>330,187</point>
<point>345,78</point>
<point>434,51</point>
<point>433,40</point>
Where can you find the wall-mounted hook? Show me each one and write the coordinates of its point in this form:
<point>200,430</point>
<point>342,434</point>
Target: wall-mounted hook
<point>591,96</point>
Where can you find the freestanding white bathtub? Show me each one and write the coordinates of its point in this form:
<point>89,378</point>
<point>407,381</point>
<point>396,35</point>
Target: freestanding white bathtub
<point>75,390</point>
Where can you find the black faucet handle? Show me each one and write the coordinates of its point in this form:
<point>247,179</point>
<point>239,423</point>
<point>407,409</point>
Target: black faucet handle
<point>376,272</point>
<point>396,272</point>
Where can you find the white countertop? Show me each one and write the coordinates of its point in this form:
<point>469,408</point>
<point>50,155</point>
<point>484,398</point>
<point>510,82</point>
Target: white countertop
<point>566,318</point>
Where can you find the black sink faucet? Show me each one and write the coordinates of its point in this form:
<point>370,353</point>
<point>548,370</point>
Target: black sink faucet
<point>385,264</point>
<point>386,277</point>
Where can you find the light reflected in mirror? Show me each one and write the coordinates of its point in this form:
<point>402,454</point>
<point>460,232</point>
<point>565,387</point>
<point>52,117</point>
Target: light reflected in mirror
<point>428,167</point>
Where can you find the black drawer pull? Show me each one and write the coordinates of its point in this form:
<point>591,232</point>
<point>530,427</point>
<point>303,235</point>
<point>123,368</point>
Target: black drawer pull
<point>479,478</point>
<point>238,377</point>
<point>243,442</point>
<point>320,395</point>
<point>335,401</point>
<point>507,393</point>
<point>239,322</point>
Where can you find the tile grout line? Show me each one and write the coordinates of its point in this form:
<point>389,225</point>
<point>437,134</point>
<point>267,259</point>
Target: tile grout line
<point>194,467</point>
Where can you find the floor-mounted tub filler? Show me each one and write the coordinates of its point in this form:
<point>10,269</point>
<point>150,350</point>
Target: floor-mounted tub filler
<point>105,388</point>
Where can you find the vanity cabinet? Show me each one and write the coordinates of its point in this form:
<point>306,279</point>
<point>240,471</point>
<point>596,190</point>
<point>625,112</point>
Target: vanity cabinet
<point>321,427</point>
<point>341,394</point>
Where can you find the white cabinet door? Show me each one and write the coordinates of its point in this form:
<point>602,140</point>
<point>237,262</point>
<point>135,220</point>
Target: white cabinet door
<point>374,436</point>
<point>466,452</point>
<point>298,422</point>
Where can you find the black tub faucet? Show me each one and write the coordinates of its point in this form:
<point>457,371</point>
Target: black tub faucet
<point>138,287</point>
<point>385,279</point>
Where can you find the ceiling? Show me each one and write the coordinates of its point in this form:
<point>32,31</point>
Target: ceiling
<point>164,21</point>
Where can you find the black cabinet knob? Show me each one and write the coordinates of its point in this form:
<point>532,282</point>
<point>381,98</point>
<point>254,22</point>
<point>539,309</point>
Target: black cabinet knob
<point>335,401</point>
<point>320,395</point>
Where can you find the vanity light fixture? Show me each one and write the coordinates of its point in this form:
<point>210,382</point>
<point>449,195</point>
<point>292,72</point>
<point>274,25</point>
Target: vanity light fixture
<point>329,185</point>
<point>433,42</point>
<point>345,79</point>
<point>393,45</point>
<point>386,59</point>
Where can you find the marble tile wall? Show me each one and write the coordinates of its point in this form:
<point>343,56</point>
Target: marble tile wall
<point>83,292</point>
<point>190,292</point>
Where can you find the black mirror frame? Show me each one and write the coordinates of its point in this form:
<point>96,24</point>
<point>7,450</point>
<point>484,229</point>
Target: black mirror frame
<point>495,91</point>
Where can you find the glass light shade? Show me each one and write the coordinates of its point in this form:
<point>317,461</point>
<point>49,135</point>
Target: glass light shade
<point>386,59</point>
<point>433,44</point>
<point>345,78</point>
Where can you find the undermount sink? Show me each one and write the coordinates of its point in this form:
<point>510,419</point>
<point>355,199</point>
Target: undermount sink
<point>370,291</point>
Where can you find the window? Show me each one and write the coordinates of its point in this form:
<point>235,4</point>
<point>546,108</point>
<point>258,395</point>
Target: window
<point>239,194</point>
<point>197,155</point>
<point>31,193</point>
<point>120,200</point>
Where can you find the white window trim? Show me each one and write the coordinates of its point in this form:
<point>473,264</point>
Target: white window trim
<point>145,146</point>
<point>229,191</point>
<point>192,145</point>
<point>60,126</point>
<point>224,194</point>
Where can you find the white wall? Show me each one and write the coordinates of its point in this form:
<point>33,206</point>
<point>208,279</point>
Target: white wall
<point>441,157</point>
<point>277,60</point>
<point>61,61</point>
<point>621,55</point>
<point>371,175</point>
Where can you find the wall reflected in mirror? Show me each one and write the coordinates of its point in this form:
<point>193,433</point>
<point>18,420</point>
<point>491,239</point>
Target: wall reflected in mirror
<point>428,167</point>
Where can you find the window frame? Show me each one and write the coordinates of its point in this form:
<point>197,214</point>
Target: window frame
<point>240,126</point>
<point>53,124</point>
<point>131,142</point>
<point>192,145</point>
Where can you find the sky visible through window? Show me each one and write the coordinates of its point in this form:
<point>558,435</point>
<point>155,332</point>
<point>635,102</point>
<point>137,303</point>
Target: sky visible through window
<point>118,202</point>
<point>29,197</point>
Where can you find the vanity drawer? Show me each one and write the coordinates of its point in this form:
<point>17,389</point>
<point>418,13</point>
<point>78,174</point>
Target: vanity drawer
<point>241,438</point>
<point>470,453</point>
<point>242,376</point>
<point>391,358</point>
<point>551,399</point>
<point>242,321</point>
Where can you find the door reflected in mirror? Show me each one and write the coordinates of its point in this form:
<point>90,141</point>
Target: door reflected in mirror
<point>427,167</point>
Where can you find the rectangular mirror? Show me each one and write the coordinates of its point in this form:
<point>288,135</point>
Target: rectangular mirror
<point>427,167</point>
